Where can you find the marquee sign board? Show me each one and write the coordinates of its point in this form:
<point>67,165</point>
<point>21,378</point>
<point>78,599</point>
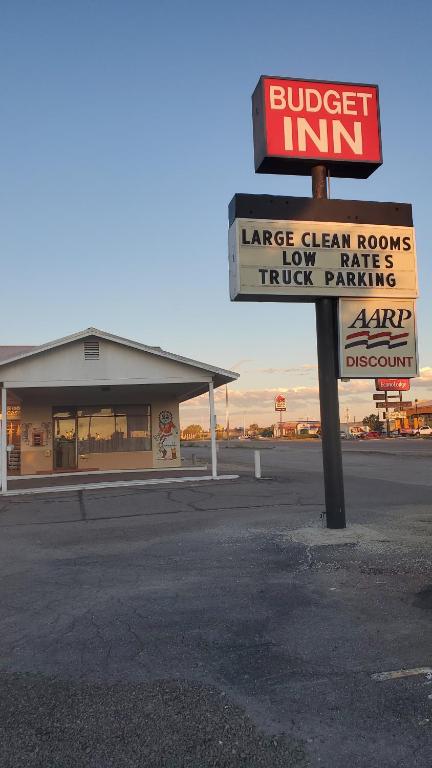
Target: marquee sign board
<point>299,123</point>
<point>377,336</point>
<point>392,385</point>
<point>300,258</point>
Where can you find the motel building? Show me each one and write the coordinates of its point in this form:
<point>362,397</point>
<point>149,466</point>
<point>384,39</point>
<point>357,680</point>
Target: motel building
<point>96,404</point>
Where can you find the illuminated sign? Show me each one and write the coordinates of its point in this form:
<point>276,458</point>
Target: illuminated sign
<point>392,385</point>
<point>280,403</point>
<point>301,123</point>
<point>377,336</point>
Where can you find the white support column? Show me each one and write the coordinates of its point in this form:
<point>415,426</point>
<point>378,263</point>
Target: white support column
<point>3,441</point>
<point>257,457</point>
<point>212,430</point>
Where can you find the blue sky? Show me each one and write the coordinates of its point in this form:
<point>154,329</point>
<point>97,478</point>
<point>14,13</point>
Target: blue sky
<point>126,130</point>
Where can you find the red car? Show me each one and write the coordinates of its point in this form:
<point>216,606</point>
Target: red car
<point>370,435</point>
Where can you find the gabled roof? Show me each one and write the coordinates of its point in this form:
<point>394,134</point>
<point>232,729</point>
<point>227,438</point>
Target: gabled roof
<point>21,352</point>
<point>8,352</point>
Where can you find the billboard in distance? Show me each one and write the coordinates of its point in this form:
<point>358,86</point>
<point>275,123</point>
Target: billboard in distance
<point>280,403</point>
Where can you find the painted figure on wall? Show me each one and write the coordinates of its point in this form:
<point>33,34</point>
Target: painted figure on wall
<point>166,436</point>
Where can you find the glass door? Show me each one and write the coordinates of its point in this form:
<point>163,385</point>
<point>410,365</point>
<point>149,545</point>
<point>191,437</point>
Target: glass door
<point>65,442</point>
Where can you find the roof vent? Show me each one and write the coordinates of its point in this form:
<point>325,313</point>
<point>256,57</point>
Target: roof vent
<point>91,350</point>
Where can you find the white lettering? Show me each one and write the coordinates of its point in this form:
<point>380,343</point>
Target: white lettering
<point>277,97</point>
<point>288,134</point>
<point>300,104</point>
<point>356,142</point>
<point>310,107</point>
<point>334,108</point>
<point>320,140</point>
<point>348,102</point>
<point>365,97</point>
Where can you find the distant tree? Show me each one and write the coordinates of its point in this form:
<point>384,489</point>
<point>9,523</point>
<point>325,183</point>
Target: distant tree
<point>373,422</point>
<point>253,429</point>
<point>266,432</point>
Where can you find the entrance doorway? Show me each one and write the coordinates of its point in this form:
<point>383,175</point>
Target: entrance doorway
<point>65,441</point>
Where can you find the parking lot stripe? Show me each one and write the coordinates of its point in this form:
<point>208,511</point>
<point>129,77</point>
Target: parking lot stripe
<point>401,673</point>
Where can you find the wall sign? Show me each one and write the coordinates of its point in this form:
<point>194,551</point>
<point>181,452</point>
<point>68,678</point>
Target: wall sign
<point>377,336</point>
<point>299,123</point>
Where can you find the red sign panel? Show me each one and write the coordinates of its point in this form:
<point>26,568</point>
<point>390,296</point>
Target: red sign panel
<point>392,385</point>
<point>299,123</point>
<point>280,403</point>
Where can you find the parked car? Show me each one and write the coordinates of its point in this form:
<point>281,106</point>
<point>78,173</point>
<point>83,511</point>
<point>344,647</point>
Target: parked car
<point>407,432</point>
<point>370,435</point>
<point>424,432</point>
<point>358,435</point>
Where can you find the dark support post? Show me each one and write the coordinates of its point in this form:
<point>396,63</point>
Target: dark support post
<point>327,345</point>
<point>387,406</point>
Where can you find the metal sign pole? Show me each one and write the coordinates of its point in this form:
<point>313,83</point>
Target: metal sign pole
<point>387,406</point>
<point>327,346</point>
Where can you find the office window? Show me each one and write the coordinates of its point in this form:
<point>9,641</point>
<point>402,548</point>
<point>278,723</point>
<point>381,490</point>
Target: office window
<point>110,429</point>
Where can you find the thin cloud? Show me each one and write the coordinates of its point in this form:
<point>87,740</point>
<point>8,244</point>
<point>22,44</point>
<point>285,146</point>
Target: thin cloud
<point>302,370</point>
<point>240,363</point>
<point>257,405</point>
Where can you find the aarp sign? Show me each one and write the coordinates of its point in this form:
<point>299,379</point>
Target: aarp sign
<point>377,338</point>
<point>301,123</point>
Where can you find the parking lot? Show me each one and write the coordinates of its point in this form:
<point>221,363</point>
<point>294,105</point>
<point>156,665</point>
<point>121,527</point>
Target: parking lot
<point>218,623</point>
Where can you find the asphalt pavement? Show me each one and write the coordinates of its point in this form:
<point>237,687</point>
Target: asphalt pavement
<point>219,624</point>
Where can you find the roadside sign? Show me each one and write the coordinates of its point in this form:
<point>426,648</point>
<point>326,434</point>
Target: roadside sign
<point>316,250</point>
<point>380,396</point>
<point>377,336</point>
<point>392,385</point>
<point>402,404</point>
<point>280,403</point>
<point>302,249</point>
<point>299,123</point>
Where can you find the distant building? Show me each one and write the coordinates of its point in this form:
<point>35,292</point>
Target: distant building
<point>284,429</point>
<point>308,427</point>
<point>294,428</point>
<point>420,415</point>
<point>94,402</point>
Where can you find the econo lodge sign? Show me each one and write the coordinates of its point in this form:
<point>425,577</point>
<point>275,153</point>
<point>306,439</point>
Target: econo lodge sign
<point>392,385</point>
<point>299,123</point>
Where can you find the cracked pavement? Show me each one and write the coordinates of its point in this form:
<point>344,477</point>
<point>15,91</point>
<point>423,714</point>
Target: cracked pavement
<point>215,624</point>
